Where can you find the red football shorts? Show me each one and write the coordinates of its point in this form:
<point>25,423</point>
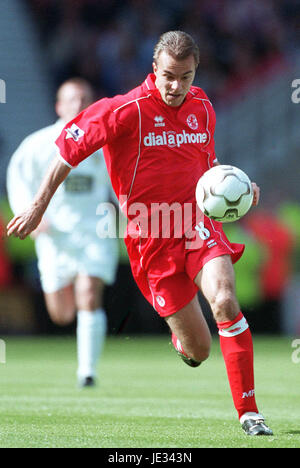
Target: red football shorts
<point>165,269</point>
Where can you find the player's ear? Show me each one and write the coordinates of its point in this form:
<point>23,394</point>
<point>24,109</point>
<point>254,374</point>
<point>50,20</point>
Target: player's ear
<point>154,66</point>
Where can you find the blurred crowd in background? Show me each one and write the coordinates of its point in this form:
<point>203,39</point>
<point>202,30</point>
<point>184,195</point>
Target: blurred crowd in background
<point>110,43</point>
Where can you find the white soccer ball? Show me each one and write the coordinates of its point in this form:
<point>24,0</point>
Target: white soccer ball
<point>224,193</point>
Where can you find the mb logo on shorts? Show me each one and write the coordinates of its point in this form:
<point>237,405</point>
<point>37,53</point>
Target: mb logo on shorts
<point>160,300</point>
<point>2,92</point>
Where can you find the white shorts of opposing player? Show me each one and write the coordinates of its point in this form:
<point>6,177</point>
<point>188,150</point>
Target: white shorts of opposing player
<point>61,257</point>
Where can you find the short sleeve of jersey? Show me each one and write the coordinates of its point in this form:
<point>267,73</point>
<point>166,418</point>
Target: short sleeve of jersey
<point>92,129</point>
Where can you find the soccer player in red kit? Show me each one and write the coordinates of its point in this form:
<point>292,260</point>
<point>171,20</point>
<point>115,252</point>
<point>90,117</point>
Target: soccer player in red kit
<point>158,140</point>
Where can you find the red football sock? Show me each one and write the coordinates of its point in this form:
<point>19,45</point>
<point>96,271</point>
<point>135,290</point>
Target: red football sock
<point>237,349</point>
<point>177,345</point>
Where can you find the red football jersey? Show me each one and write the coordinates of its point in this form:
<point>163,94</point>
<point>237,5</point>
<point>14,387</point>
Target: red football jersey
<point>154,153</point>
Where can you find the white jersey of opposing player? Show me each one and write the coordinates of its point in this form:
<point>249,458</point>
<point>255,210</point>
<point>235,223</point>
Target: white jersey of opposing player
<point>73,207</point>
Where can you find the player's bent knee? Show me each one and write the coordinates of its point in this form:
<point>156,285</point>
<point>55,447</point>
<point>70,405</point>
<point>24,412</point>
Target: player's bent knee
<point>199,352</point>
<point>200,356</point>
<point>62,321</point>
<point>88,294</point>
<point>61,317</point>
<point>224,306</point>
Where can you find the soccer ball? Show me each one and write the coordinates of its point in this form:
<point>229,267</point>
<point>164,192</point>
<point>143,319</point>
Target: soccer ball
<point>224,193</point>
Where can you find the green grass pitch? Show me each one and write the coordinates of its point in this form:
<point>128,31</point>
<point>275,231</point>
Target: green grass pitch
<point>146,397</point>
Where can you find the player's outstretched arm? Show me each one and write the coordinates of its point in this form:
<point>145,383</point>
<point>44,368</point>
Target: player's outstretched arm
<point>23,224</point>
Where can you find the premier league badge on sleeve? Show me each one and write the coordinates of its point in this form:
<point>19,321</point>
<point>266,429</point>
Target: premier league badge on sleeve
<point>74,132</point>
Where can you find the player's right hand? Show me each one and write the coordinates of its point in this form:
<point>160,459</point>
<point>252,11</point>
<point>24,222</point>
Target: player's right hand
<point>23,224</point>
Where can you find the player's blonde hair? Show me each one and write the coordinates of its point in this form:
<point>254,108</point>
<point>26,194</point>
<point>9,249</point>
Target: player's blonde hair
<point>178,44</point>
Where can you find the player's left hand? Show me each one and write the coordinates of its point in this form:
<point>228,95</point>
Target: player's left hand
<point>256,194</point>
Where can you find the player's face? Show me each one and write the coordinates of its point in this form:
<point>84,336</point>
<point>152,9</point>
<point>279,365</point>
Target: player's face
<point>72,99</point>
<point>174,77</point>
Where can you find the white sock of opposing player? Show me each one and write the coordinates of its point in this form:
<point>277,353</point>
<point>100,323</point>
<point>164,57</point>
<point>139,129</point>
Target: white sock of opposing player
<point>91,333</point>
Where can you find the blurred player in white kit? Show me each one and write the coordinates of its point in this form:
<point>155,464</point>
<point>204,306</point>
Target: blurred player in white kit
<point>74,263</point>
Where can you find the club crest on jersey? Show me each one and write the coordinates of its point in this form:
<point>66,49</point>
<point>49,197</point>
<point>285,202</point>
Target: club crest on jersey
<point>159,121</point>
<point>74,132</point>
<point>192,121</point>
